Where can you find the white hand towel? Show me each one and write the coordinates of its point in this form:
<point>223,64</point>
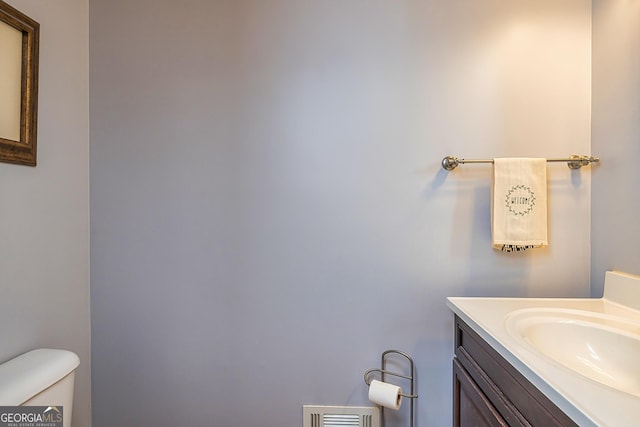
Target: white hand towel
<point>519,204</point>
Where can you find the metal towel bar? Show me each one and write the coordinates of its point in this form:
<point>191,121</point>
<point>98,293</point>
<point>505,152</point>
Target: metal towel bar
<point>574,162</point>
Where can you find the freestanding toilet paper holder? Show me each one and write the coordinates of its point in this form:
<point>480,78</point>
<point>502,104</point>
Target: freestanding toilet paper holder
<point>383,372</point>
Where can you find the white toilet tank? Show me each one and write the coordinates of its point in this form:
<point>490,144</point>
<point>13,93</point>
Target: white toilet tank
<point>42,377</point>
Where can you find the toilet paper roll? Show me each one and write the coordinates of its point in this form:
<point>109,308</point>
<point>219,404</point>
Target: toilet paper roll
<point>385,394</point>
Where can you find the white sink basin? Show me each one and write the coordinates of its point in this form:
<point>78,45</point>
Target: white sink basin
<point>600,347</point>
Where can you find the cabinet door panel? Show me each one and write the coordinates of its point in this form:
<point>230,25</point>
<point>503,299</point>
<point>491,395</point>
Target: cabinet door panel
<point>470,405</point>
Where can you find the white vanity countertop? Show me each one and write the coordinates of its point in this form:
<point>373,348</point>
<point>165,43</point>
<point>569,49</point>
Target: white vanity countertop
<point>586,401</point>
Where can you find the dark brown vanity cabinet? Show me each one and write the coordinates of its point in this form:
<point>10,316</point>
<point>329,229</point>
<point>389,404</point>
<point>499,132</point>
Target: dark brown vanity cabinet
<point>489,391</point>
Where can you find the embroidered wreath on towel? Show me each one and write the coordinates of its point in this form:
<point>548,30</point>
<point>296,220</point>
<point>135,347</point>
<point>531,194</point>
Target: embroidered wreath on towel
<point>520,200</point>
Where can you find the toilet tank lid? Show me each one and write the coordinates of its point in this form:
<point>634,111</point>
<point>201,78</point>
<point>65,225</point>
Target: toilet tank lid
<point>24,376</point>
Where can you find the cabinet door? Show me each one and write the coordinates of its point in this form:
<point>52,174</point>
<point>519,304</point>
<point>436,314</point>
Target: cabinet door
<point>470,406</point>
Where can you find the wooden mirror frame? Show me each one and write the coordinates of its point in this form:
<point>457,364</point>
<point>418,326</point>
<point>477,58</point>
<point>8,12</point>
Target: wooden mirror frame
<point>23,151</point>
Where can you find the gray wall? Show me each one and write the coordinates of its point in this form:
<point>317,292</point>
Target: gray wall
<point>44,219</point>
<point>268,209</point>
<point>616,132</point>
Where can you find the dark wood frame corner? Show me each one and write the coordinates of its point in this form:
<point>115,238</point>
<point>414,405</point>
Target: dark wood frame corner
<point>23,152</point>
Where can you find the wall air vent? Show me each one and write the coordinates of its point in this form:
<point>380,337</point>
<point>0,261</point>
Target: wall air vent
<point>340,416</point>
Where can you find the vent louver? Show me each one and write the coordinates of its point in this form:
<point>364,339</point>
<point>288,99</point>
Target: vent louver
<point>340,416</point>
